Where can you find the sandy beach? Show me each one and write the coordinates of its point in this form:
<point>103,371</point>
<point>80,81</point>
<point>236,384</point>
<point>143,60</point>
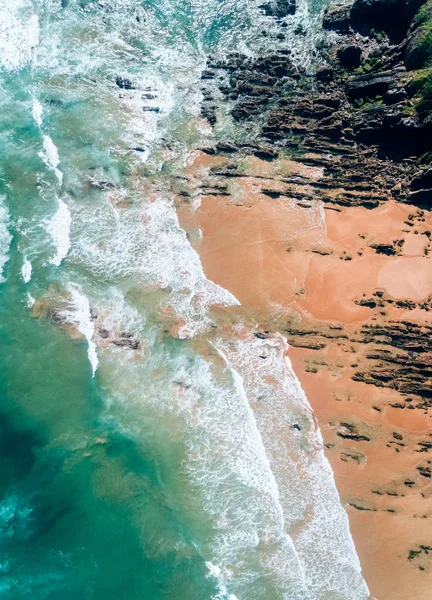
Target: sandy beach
<point>323,275</point>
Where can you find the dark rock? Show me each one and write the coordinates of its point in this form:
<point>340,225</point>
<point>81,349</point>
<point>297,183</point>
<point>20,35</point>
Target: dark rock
<point>124,83</point>
<point>260,336</point>
<point>266,154</point>
<point>392,16</point>
<point>278,8</point>
<point>271,193</point>
<point>370,85</point>
<point>350,56</point>
<point>208,111</point>
<point>58,316</point>
<point>394,96</point>
<point>421,198</point>
<point>338,18</point>
<point>359,507</point>
<point>131,343</point>
<point>387,249</point>
<point>104,333</point>
<point>422,181</point>
<point>208,74</point>
<point>226,148</point>
<point>349,431</point>
<point>325,74</point>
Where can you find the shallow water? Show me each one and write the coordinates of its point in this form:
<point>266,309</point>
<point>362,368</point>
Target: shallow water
<point>151,467</point>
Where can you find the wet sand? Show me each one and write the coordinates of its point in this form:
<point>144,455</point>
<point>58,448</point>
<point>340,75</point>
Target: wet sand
<point>301,267</point>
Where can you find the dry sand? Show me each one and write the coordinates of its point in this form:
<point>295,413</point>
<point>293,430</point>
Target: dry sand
<point>288,261</point>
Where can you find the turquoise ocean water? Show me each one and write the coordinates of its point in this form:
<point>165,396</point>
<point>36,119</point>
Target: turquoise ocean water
<point>141,469</point>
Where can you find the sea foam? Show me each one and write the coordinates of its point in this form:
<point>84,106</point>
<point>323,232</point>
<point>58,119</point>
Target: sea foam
<point>294,447</point>
<point>146,242</point>
<point>26,270</point>
<point>79,314</point>
<point>233,484</point>
<point>37,111</point>
<point>49,154</point>
<point>19,34</point>
<point>51,158</point>
<point>5,237</point>
<point>59,229</point>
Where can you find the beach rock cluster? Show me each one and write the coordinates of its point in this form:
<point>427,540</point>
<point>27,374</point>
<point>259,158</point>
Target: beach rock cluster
<point>363,115</point>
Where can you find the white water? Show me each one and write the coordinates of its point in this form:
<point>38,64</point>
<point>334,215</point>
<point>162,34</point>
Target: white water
<point>26,270</point>
<point>146,242</point>
<point>59,229</point>
<point>19,33</point>
<point>30,300</point>
<point>5,237</point>
<point>51,158</point>
<point>308,493</point>
<point>37,112</point>
<point>80,315</point>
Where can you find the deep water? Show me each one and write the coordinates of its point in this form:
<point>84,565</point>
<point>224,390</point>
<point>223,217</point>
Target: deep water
<point>136,472</point>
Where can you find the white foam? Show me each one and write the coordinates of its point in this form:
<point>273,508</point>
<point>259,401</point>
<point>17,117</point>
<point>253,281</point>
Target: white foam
<point>222,594</point>
<point>294,447</point>
<point>233,487</point>
<point>51,158</point>
<point>59,229</point>
<point>146,242</point>
<point>80,315</point>
<point>26,270</point>
<point>37,112</point>
<point>19,34</point>
<point>30,300</point>
<point>5,237</point>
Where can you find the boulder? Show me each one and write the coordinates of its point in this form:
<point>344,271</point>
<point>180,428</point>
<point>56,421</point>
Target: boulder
<point>338,18</point>
<point>418,53</point>
<point>350,56</point>
<point>370,85</point>
<point>324,74</point>
<point>124,83</point>
<point>394,96</point>
<point>424,180</point>
<point>421,198</point>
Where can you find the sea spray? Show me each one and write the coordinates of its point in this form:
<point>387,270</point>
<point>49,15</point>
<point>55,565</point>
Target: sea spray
<point>19,34</point>
<point>294,446</point>
<point>145,241</point>
<point>26,270</point>
<point>59,229</point>
<point>51,158</point>
<point>79,314</point>
<point>5,237</point>
<point>37,112</point>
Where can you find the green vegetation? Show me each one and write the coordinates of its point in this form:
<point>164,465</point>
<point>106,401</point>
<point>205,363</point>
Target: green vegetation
<point>418,60</point>
<point>378,35</point>
<point>419,50</point>
<point>425,158</point>
<point>420,89</point>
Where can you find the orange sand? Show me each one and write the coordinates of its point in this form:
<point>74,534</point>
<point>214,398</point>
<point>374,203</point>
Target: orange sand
<point>282,261</point>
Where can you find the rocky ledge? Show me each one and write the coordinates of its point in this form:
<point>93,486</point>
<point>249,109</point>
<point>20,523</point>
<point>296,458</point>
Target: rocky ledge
<point>363,115</point>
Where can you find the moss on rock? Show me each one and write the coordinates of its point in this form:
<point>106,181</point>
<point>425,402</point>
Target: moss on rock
<point>419,50</point>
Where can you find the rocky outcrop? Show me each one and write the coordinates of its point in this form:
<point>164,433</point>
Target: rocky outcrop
<point>359,112</point>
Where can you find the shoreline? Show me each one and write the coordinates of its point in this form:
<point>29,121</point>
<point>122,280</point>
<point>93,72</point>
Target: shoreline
<point>271,251</point>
